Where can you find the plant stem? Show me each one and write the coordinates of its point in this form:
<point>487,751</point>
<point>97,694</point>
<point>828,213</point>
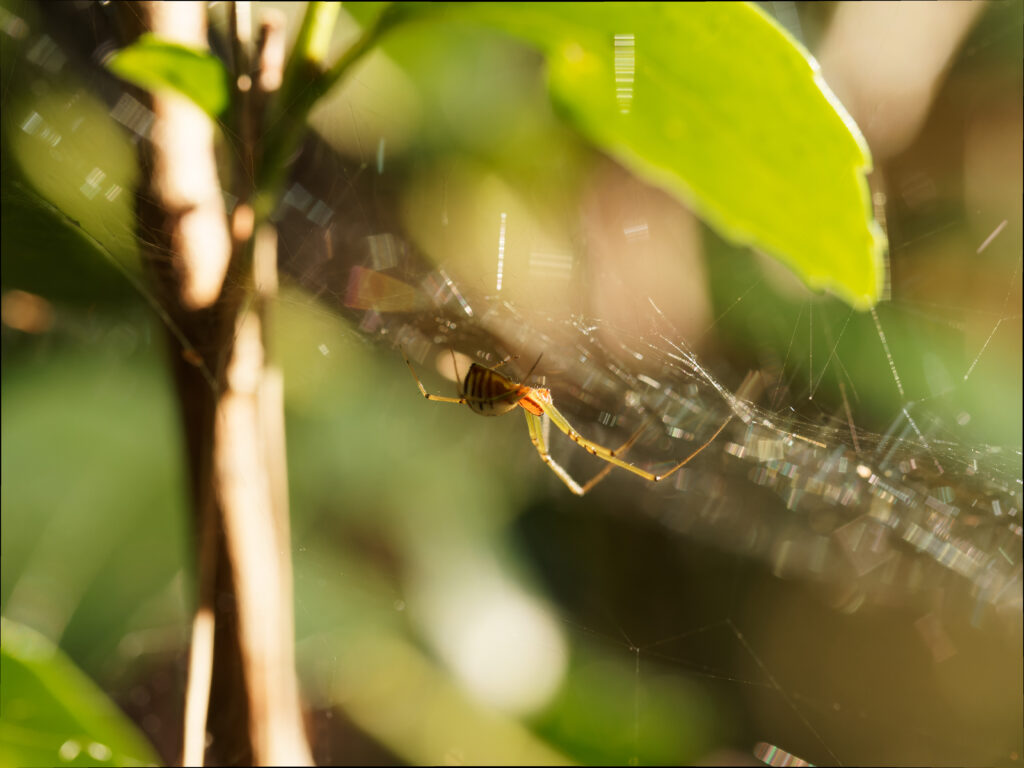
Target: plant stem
<point>305,83</point>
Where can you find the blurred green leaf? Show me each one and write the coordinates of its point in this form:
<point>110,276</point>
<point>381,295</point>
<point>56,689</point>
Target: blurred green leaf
<point>717,104</point>
<point>52,713</point>
<point>601,693</point>
<point>69,169</point>
<point>108,543</point>
<point>47,254</point>
<point>156,64</point>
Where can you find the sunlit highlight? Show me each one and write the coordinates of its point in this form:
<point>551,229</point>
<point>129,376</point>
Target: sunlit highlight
<point>769,754</point>
<point>501,248</point>
<point>625,71</point>
<point>502,644</point>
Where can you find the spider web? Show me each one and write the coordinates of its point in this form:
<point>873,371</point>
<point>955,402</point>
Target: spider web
<point>842,579</point>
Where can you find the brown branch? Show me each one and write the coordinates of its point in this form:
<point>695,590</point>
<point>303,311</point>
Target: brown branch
<point>243,644</point>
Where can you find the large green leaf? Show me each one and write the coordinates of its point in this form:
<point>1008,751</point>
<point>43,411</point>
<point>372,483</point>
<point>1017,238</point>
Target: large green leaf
<point>155,64</point>
<point>51,713</point>
<point>717,104</point>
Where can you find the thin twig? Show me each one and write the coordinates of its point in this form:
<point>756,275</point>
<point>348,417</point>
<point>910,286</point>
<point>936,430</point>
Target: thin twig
<point>200,660</point>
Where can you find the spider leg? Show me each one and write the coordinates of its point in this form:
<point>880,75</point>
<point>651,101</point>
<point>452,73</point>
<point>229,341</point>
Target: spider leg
<point>506,360</point>
<point>538,426</point>
<point>706,443</point>
<point>618,451</point>
<point>608,454</point>
<point>428,395</point>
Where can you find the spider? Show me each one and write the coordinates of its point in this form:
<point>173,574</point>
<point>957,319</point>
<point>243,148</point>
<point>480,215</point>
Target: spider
<point>490,393</point>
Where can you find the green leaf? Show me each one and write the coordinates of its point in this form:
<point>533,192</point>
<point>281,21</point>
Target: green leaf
<point>51,713</point>
<point>715,103</point>
<point>156,64</point>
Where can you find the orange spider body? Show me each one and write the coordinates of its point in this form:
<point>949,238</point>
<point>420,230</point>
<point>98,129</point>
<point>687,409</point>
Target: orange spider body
<point>489,393</point>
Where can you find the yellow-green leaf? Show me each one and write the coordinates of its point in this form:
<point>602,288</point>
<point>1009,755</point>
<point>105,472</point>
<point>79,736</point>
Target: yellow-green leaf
<point>52,714</point>
<point>156,64</point>
<point>717,104</point>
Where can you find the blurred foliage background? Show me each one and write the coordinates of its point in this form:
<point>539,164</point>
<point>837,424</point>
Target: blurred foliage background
<point>454,603</point>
